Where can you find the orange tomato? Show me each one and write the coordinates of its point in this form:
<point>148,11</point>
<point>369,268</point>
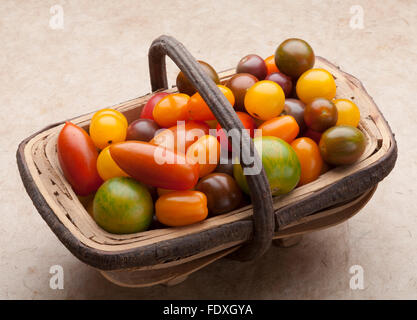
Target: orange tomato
<point>271,67</point>
<point>284,127</point>
<point>310,159</point>
<point>178,138</point>
<point>206,152</point>
<point>181,208</point>
<point>170,109</point>
<point>198,108</point>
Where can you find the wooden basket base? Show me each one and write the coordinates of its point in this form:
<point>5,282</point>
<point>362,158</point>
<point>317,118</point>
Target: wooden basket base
<point>286,237</point>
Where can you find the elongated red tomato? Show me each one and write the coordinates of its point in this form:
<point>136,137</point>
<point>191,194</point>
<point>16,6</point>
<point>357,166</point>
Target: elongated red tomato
<point>77,156</point>
<point>155,165</point>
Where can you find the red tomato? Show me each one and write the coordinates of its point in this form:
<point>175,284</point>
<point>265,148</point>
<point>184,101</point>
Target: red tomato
<point>247,122</point>
<point>155,165</point>
<point>77,156</point>
<point>148,108</point>
<point>178,138</point>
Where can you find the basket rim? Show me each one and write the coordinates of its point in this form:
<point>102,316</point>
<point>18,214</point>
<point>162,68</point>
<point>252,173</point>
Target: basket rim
<point>153,254</point>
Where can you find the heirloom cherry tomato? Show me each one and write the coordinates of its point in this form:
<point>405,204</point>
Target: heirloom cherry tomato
<point>280,163</point>
<point>293,57</point>
<point>110,112</point>
<point>147,111</point>
<point>271,67</point>
<point>206,152</point>
<point>347,113</point>
<point>316,83</point>
<point>222,192</point>
<point>284,127</point>
<point>142,130</point>
<point>341,145</point>
<point>320,114</point>
<point>265,100</point>
<point>247,123</point>
<point>310,159</point>
<point>198,108</point>
<point>254,65</point>
<point>123,205</point>
<point>106,166</point>
<point>181,208</point>
<point>155,166</point>
<point>77,156</point>
<point>282,80</point>
<point>170,109</point>
<point>239,84</point>
<point>295,108</point>
<point>178,138</point>
<point>106,129</point>
<point>313,135</point>
<point>226,167</point>
<point>185,86</point>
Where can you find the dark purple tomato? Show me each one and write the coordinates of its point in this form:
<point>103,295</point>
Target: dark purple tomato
<point>223,193</point>
<point>293,57</point>
<point>142,130</point>
<point>314,135</point>
<point>295,108</point>
<point>225,168</point>
<point>341,145</point>
<point>254,65</point>
<point>320,114</point>
<point>185,86</point>
<point>239,84</point>
<point>282,80</point>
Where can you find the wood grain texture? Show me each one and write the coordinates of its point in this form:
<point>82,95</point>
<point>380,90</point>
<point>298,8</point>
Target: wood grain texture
<point>61,209</point>
<point>262,207</point>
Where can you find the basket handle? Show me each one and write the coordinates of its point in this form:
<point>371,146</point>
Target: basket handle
<point>263,212</point>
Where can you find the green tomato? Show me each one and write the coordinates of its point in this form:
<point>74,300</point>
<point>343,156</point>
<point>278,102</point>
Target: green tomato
<point>342,145</point>
<point>123,205</point>
<point>293,57</point>
<point>280,163</point>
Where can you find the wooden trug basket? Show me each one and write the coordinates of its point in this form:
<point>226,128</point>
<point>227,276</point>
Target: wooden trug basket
<point>169,255</point>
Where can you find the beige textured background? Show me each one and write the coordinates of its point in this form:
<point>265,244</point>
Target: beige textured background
<point>100,59</point>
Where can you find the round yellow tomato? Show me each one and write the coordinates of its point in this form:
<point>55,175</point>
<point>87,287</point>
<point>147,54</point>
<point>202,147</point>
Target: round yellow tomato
<point>107,129</point>
<point>347,112</point>
<point>110,112</point>
<point>264,100</point>
<point>316,83</point>
<point>107,168</point>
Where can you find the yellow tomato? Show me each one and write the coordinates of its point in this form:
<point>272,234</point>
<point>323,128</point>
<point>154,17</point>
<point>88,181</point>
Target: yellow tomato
<point>264,100</point>
<point>111,112</point>
<point>107,129</point>
<point>107,168</point>
<point>206,152</point>
<point>316,83</point>
<point>347,112</point>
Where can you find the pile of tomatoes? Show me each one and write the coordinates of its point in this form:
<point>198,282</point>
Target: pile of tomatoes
<point>165,168</point>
